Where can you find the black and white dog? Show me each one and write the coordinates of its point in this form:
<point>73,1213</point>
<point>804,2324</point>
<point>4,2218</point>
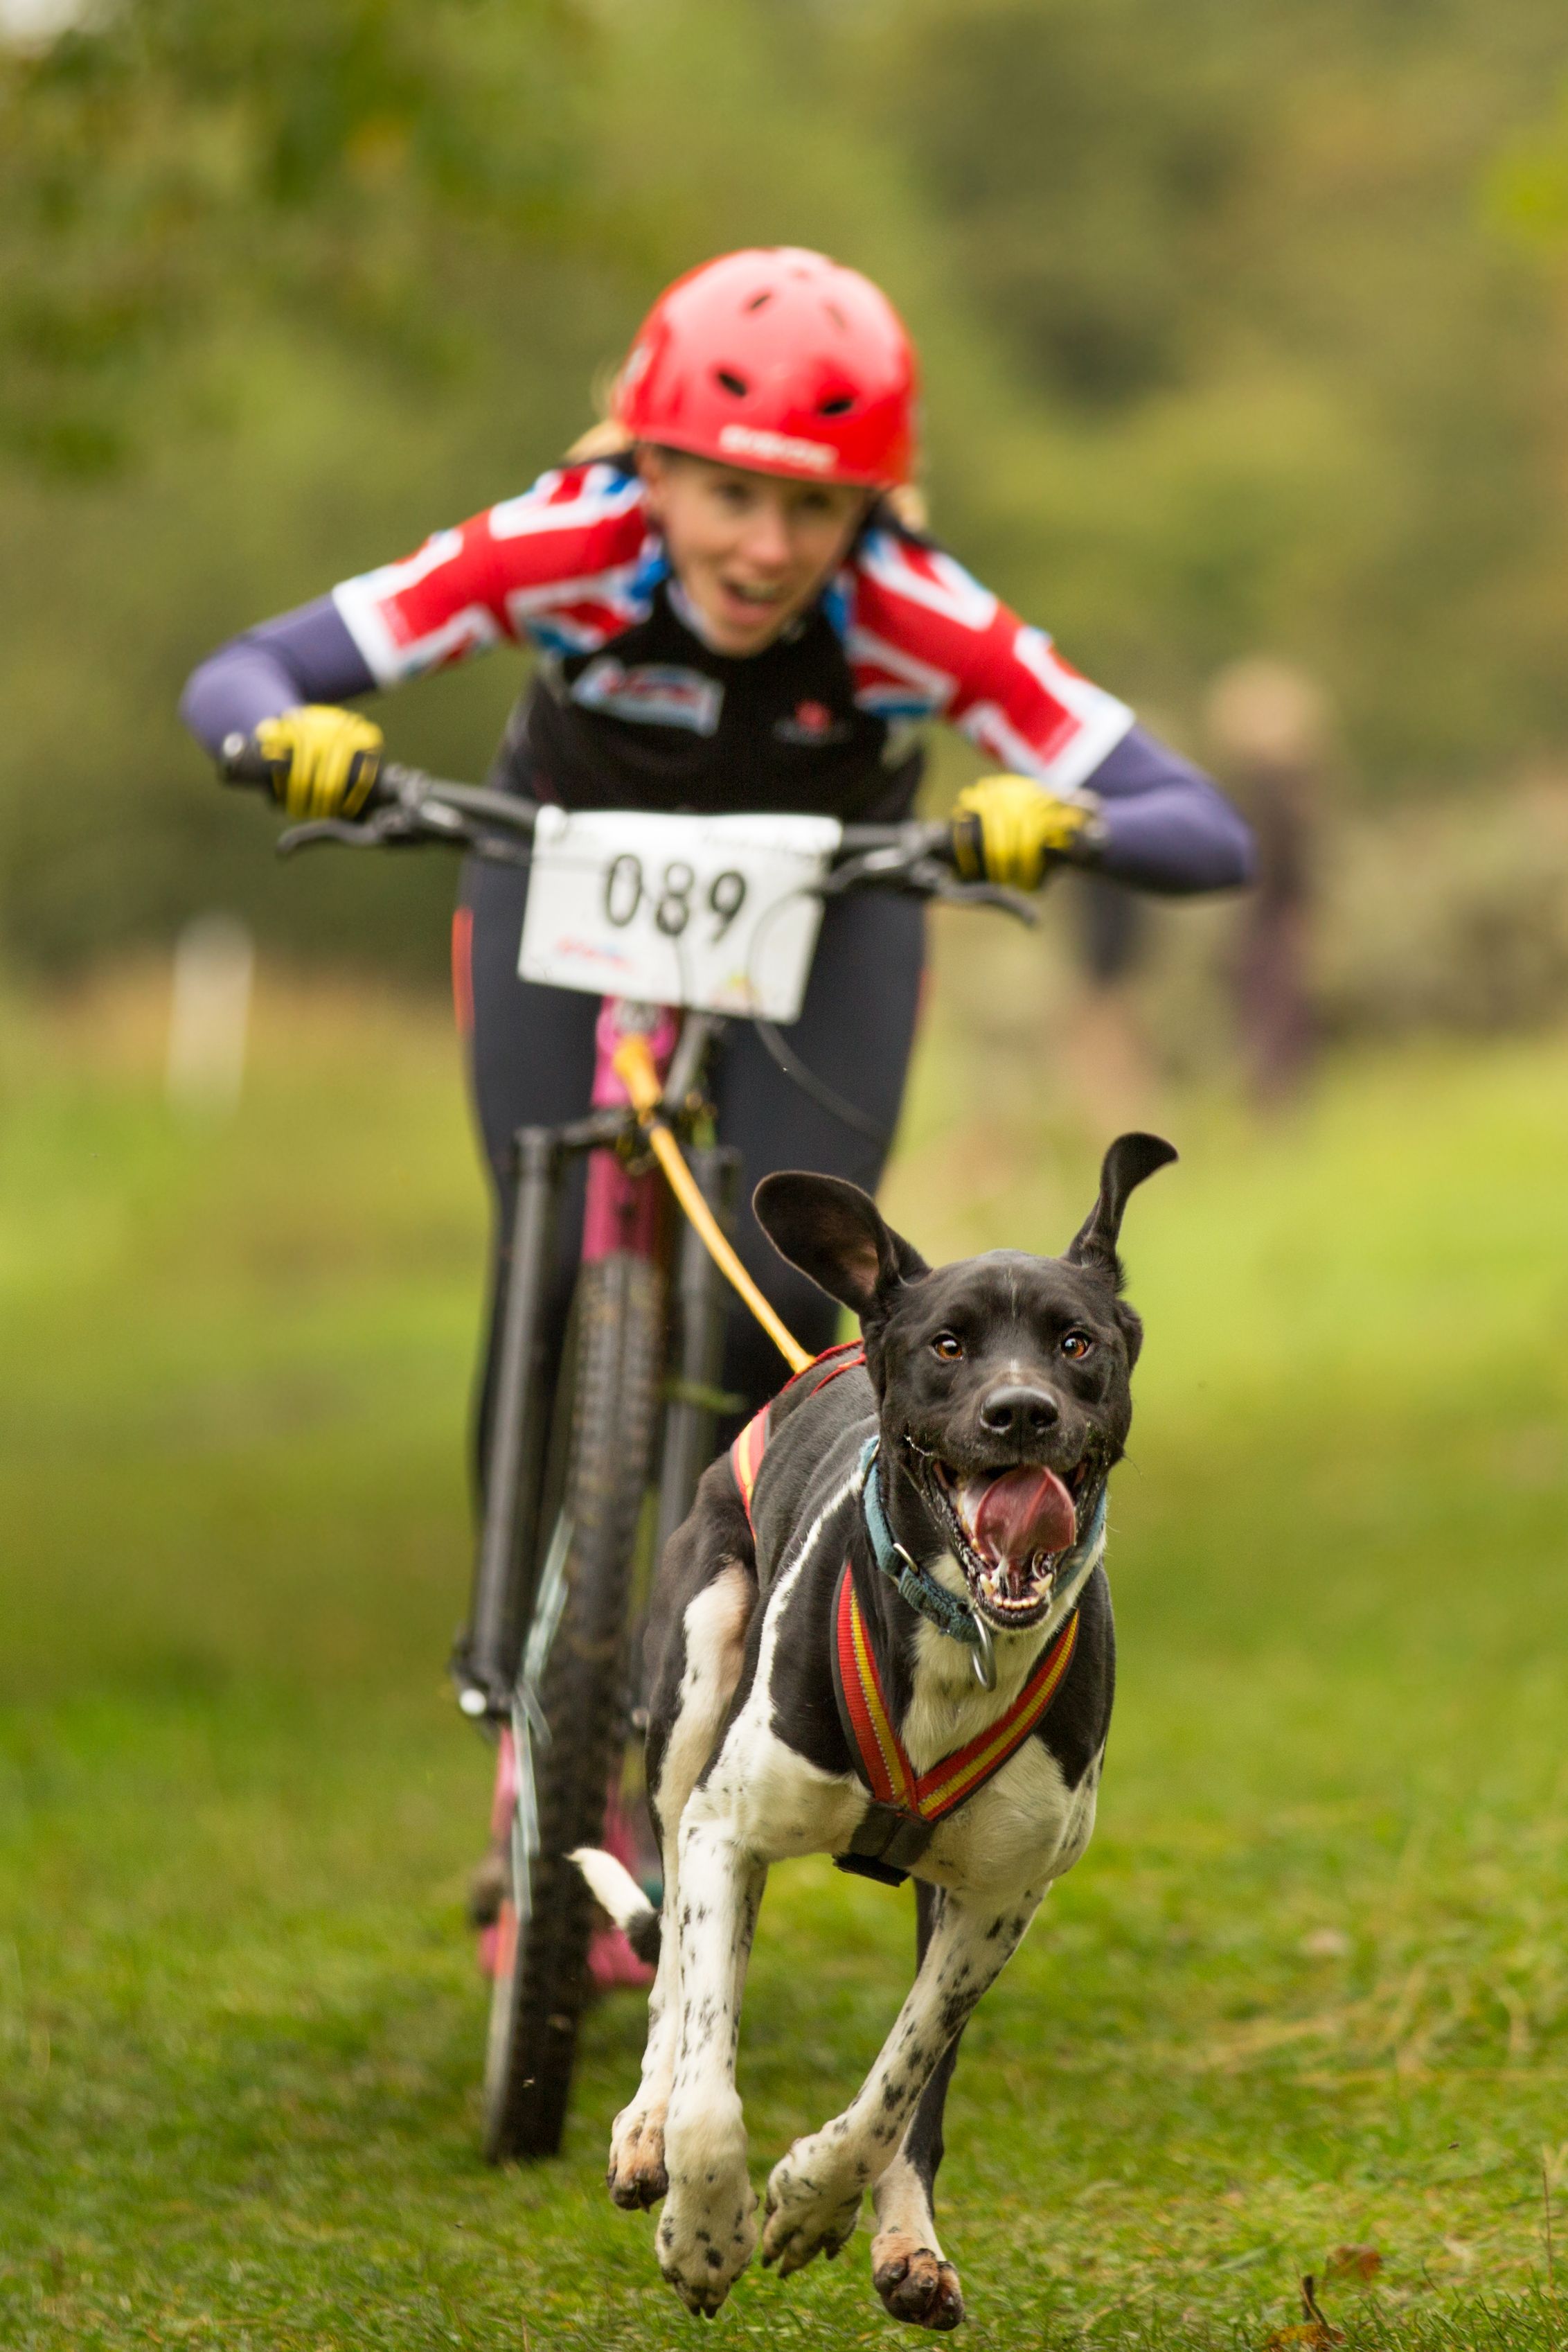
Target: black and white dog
<point>883,1634</point>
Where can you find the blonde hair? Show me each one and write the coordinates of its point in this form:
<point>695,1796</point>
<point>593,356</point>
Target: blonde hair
<point>908,505</point>
<point>605,439</point>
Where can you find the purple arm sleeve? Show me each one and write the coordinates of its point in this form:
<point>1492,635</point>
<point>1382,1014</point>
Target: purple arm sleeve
<point>1167,828</point>
<point>306,656</point>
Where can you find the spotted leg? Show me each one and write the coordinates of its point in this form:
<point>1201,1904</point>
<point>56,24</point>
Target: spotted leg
<point>908,2269</point>
<point>814,2195</point>
<point>635,2173</point>
<point>713,1634</point>
<point>708,2233</point>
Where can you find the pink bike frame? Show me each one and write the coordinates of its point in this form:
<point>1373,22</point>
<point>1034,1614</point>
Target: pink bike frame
<point>622,1211</point>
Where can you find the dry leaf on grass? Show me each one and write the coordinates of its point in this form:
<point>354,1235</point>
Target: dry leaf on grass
<point>1314,2333</point>
<point>1353,2262</point>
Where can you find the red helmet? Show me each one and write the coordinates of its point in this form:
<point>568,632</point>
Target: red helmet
<point>780,361</point>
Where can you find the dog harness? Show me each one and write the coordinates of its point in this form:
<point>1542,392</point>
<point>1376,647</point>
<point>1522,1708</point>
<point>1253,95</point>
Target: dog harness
<point>906,1805</point>
<point>901,1821</point>
<point>746,1453</point>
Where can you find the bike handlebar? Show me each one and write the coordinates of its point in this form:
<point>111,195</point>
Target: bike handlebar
<point>407,804</point>
<point>240,761</point>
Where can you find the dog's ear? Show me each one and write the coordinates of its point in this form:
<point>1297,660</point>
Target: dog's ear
<point>1130,1159</point>
<point>836,1233</point>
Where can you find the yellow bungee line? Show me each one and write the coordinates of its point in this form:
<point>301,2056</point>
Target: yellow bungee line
<point>633,1066</point>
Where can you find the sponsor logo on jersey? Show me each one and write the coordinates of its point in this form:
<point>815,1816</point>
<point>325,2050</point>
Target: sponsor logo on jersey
<point>812,723</point>
<point>783,448</point>
<point>655,694</point>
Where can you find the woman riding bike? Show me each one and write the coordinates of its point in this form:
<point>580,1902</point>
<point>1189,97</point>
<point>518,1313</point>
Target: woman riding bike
<point>729,611</point>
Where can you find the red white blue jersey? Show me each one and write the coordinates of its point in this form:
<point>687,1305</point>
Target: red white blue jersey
<point>632,701</point>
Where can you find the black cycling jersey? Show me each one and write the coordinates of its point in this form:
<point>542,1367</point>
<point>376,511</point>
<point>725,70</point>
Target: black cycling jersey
<point>778,730</point>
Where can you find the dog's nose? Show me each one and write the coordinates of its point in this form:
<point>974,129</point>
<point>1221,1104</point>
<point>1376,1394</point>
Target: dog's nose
<point>1019,1412</point>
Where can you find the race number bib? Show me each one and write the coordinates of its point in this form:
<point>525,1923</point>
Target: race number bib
<point>716,912</point>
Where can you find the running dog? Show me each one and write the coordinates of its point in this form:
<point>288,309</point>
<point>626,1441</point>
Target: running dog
<point>883,1633</point>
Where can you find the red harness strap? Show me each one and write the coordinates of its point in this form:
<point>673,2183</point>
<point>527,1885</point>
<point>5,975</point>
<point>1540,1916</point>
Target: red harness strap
<point>746,1453</point>
<point>884,1761</point>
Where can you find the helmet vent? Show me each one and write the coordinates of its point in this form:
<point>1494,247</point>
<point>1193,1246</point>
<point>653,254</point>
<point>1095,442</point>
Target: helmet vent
<point>734,384</point>
<point>836,316</point>
<point>839,404</point>
<point>757,301</point>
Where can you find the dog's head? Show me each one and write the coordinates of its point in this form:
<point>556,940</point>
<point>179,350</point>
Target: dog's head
<point>1003,1382</point>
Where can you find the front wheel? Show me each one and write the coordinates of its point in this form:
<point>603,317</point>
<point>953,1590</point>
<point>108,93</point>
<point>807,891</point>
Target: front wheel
<point>569,1727</point>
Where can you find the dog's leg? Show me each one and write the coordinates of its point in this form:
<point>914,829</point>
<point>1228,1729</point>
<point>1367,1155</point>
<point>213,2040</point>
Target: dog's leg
<point>907,2266</point>
<point>708,2233</point>
<point>714,1638</point>
<point>814,2195</point>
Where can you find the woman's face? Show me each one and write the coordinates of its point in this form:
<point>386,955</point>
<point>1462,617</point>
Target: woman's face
<point>751,550</point>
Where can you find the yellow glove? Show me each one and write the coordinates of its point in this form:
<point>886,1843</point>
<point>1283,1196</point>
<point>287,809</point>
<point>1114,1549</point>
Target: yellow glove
<point>1008,829</point>
<point>324,759</point>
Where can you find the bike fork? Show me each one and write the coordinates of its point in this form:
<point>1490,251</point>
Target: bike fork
<point>485,1664</point>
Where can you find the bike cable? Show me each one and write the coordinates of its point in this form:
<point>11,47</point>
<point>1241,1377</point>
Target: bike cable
<point>821,1093</point>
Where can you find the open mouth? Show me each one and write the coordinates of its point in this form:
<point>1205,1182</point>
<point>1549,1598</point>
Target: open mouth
<point>1009,1531</point>
<point>763,593</point>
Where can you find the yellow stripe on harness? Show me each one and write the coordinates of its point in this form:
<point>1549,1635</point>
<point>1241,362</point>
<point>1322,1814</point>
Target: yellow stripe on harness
<point>633,1066</point>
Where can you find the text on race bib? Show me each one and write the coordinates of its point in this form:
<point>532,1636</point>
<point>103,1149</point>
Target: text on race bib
<point>719,913</point>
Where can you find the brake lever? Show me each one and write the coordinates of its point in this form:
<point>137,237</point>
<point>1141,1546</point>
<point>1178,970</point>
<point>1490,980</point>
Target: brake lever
<point>938,881</point>
<point>989,894</point>
<point>399,824</point>
<point>392,824</point>
<point>929,878</point>
<point>890,865</point>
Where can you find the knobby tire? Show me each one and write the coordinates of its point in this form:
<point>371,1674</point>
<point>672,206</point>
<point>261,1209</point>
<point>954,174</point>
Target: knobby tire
<point>608,1413</point>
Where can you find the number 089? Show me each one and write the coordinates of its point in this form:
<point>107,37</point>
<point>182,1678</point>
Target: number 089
<point>627,890</point>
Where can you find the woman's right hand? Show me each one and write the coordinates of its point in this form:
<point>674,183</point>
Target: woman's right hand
<point>324,761</point>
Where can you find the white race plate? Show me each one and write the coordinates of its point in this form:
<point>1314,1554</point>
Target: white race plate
<point>717,912</point>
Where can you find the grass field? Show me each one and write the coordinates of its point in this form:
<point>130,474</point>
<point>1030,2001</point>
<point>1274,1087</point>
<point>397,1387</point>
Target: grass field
<point>1308,1990</point>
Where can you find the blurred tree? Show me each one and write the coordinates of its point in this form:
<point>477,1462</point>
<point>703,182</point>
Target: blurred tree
<point>161,159</point>
<point>1082,160</point>
<point>1529,186</point>
<point>1285,381</point>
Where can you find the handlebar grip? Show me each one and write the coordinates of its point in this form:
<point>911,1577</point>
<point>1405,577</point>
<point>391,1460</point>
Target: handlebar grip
<point>240,761</point>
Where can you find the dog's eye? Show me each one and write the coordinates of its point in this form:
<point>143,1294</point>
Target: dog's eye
<point>949,1345</point>
<point>1076,1344</point>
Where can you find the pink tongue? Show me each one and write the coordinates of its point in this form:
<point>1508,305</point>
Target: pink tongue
<point>1022,1512</point>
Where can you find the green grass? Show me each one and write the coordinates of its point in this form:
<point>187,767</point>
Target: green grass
<point>1309,1988</point>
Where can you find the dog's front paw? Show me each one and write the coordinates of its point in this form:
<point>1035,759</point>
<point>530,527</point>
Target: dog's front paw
<point>708,2233</point>
<point>914,2281</point>
<point>635,2175</point>
<point>706,2237</point>
<point>812,2207</point>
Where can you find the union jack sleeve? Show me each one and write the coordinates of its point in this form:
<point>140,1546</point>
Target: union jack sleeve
<point>927,641</point>
<point>568,565</point>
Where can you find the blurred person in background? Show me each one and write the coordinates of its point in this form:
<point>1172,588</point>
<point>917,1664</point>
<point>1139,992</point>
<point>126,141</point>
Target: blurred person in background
<point>732,608</point>
<point>1109,1066</point>
<point>1268,723</point>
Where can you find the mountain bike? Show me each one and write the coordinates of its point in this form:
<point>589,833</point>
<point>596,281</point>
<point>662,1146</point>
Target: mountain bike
<point>680,924</point>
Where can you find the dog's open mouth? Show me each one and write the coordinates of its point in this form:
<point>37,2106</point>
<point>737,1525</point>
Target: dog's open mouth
<point>1010,1529</point>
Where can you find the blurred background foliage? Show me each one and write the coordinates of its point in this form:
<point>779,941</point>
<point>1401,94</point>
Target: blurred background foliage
<point>1243,329</point>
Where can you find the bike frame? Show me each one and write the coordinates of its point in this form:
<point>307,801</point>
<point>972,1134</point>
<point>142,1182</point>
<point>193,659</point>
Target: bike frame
<point>626,1208</point>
